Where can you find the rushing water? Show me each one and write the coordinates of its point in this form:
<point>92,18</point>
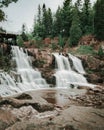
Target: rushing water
<point>30,79</point>
<point>77,64</point>
<point>7,85</point>
<point>65,75</point>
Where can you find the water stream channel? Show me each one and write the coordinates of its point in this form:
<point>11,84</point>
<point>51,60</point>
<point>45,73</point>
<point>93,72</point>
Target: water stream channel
<point>30,79</point>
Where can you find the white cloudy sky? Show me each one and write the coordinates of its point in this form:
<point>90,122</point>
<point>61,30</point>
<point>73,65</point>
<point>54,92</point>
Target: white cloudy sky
<point>24,11</point>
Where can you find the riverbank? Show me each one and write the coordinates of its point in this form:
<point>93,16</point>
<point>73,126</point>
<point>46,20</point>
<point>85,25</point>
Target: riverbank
<point>58,109</point>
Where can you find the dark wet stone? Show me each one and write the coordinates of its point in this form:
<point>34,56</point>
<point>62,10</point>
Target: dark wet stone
<point>24,96</point>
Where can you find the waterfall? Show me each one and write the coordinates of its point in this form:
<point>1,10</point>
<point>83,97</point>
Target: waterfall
<point>65,75</point>
<point>77,64</point>
<point>30,79</point>
<point>7,85</point>
<point>62,62</point>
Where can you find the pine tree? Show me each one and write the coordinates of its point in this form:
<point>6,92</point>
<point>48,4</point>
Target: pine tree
<point>57,25</point>
<point>23,35</point>
<point>66,17</point>
<point>99,20</point>
<point>38,26</point>
<point>75,30</point>
<point>78,5</point>
<point>39,17</point>
<point>44,21</point>
<point>20,41</point>
<point>85,17</point>
<point>49,22</point>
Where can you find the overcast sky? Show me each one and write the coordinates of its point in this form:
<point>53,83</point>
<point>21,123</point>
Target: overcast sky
<point>24,11</point>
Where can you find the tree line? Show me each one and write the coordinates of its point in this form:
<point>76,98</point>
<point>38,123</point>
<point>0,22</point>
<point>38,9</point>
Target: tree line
<point>71,20</point>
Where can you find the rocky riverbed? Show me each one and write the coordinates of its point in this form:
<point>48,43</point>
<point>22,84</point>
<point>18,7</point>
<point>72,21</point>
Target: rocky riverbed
<point>57,109</point>
<point>54,109</point>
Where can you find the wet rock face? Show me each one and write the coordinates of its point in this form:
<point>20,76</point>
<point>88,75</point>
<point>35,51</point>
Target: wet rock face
<point>45,62</point>
<point>94,68</point>
<point>24,96</point>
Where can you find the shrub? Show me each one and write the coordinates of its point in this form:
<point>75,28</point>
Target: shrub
<point>86,49</point>
<point>20,41</point>
<point>54,46</point>
<point>100,52</point>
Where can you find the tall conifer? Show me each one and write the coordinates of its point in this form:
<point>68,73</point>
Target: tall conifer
<point>75,30</point>
<point>66,17</point>
<point>99,20</point>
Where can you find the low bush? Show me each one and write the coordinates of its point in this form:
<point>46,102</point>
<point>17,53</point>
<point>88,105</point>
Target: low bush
<point>86,49</point>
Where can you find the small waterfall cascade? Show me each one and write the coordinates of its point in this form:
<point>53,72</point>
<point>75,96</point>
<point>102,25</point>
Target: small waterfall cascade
<point>62,62</point>
<point>7,85</point>
<point>65,76</point>
<point>30,79</point>
<point>77,64</point>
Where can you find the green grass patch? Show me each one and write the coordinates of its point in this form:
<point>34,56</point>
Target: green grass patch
<point>86,49</point>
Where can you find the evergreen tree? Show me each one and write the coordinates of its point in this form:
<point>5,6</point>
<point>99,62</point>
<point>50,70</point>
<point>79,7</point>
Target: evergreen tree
<point>57,22</point>
<point>78,5</point>
<point>20,41</point>
<point>45,21</point>
<point>85,17</point>
<point>99,20</point>
<point>34,27</point>
<point>23,35</point>
<point>66,17</point>
<point>49,22</point>
<point>38,30</point>
<point>91,21</point>
<point>39,15</point>
<point>75,31</point>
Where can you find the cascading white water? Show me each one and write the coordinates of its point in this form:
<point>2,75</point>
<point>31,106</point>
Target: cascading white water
<point>30,79</point>
<point>77,64</point>
<point>65,76</point>
<point>62,62</point>
<point>7,85</point>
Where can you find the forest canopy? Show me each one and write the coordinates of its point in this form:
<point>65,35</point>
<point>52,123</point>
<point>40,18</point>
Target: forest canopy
<point>70,20</point>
